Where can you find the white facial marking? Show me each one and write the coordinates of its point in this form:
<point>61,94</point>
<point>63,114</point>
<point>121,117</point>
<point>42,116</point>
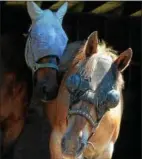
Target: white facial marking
<point>80,134</point>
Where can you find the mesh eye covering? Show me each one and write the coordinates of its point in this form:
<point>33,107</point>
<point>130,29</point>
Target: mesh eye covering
<point>46,38</point>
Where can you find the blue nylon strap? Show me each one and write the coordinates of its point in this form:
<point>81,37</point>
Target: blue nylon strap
<point>46,65</point>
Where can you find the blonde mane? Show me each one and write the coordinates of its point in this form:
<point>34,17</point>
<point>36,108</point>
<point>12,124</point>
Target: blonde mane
<point>102,49</point>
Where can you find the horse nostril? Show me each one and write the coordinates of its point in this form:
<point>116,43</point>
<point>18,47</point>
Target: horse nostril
<point>63,142</point>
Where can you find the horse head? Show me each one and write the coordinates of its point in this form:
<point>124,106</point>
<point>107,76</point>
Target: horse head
<point>94,83</point>
<point>45,45</point>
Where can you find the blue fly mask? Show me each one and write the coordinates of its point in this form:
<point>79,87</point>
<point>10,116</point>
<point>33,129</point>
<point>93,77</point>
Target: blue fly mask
<point>97,88</point>
<point>46,35</point>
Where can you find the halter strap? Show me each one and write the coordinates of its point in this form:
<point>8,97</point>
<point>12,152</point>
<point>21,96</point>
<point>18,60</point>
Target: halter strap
<point>85,115</point>
<point>45,65</point>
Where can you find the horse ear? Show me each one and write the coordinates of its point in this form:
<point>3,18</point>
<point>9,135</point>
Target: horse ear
<point>91,44</point>
<point>62,11</point>
<point>33,10</point>
<point>124,59</point>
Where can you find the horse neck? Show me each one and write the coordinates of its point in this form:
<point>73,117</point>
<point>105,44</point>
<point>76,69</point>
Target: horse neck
<point>56,114</point>
<point>57,109</point>
<point>50,110</point>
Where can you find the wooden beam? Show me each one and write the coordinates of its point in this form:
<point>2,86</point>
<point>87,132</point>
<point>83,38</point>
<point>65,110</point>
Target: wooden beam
<point>77,8</point>
<point>138,13</point>
<point>58,4</point>
<point>39,3</point>
<point>23,3</point>
<point>15,3</point>
<point>107,7</point>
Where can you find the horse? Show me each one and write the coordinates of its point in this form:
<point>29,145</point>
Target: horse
<point>86,115</point>
<point>15,87</point>
<point>45,45</point>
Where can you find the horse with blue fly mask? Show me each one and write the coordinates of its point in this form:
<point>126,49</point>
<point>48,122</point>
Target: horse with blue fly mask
<point>90,98</point>
<point>45,45</point>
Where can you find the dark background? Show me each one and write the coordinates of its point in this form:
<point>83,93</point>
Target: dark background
<point>120,31</point>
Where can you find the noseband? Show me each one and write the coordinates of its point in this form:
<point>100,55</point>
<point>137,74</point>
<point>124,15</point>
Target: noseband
<point>79,89</point>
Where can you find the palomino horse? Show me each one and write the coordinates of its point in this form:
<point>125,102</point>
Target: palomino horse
<point>45,45</point>
<point>86,114</point>
<point>15,86</point>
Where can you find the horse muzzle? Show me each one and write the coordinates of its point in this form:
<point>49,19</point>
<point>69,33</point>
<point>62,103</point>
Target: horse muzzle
<point>72,148</point>
<point>46,92</point>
